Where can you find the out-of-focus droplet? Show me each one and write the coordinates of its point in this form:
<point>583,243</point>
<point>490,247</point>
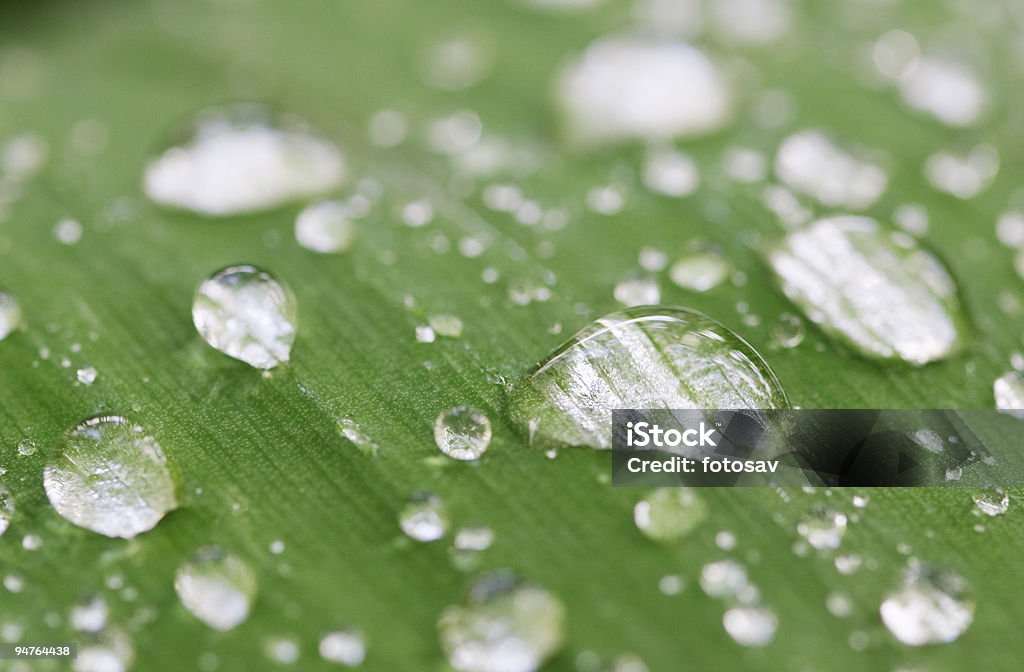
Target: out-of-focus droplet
<point>669,514</point>
<point>325,227</point>
<point>424,517</point>
<point>932,607</point>
<point>217,587</point>
<point>810,162</point>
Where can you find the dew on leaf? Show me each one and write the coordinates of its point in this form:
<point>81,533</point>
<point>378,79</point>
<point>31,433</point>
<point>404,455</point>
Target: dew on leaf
<point>217,587</point>
<point>932,607</point>
<point>247,314</point>
<point>86,376</point>
<point>110,477</point>
<point>823,528</point>
<point>325,227</point>
<point>90,615</point>
<point>750,625</point>
<point>641,291</point>
<point>7,508</point>
<point>1009,393</point>
<point>992,501</point>
<point>810,162</point>
<point>699,272</point>
<point>670,172</point>
<point>446,325</point>
<point>947,90</point>
<point>462,433</point>
<point>424,517</point>
<point>346,647</point>
<point>669,514</point>
<point>10,314</point>
<point>962,175</point>
<point>109,650</point>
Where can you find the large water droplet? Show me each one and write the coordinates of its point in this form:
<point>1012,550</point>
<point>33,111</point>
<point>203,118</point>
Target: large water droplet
<point>932,607</point>
<point>10,314</point>
<point>650,357</point>
<point>462,432</point>
<point>1009,392</point>
<point>425,517</point>
<point>669,514</point>
<point>506,626</point>
<point>247,314</point>
<point>110,477</point>
<point>680,92</point>
<point>242,159</point>
<point>217,587</point>
<point>878,292</point>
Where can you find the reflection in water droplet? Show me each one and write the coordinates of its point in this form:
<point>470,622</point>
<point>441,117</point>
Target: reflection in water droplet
<point>681,92</point>
<point>217,587</point>
<point>10,314</point>
<point>880,293</point>
<point>425,517</point>
<point>823,528</point>
<point>347,647</point>
<point>247,314</point>
<point>1009,393</point>
<point>110,477</point>
<point>669,514</point>
<point>462,432</point>
<point>932,607</point>
<point>325,227</point>
<point>241,159</point>
<point>506,625</point>
<point>651,357</point>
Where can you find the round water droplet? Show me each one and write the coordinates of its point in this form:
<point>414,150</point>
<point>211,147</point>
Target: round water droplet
<point>10,314</point>
<point>880,293</point>
<point>217,587</point>
<point>1009,393</point>
<point>325,227</point>
<point>347,647</point>
<point>111,477</point>
<point>445,325</point>
<point>932,607</point>
<point>723,579</point>
<point>425,517</point>
<point>681,92</point>
<point>699,272</point>
<point>823,528</point>
<point>788,331</point>
<point>506,625</point>
<point>670,172</point>
<point>651,357</point>
<point>86,376</point>
<point>241,159</point>
<point>7,509</point>
<point>750,625</point>
<point>462,432</point>
<point>992,502</point>
<point>27,447</point>
<point>247,314</point>
<point>638,292</point>
<point>669,514</point>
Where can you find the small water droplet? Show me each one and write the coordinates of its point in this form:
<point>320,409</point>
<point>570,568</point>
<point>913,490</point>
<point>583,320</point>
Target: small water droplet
<point>723,579</point>
<point>1010,229</point>
<point>27,447</point>
<point>425,334</point>
<point>751,625</point>
<point>699,272</point>
<point>932,607</point>
<point>603,101</point>
<point>839,604</point>
<point>424,518</point>
<point>929,440</point>
<point>506,625</point>
<point>388,128</point>
<point>788,331</point>
<point>325,227</point>
<point>247,314</point>
<point>652,357</point>
<point>652,259</point>
<point>282,649</point>
<point>1009,393</point>
<point>7,508</point>
<point>945,89</point>
<point>671,584</point>
<point>347,647</point>
<point>241,159</point>
<point>670,172</point>
<point>811,163</point>
<point>86,376</point>
<point>462,433</point>
<point>110,477</point>
<point>10,314</point>
<point>880,293</point>
<point>354,433</point>
<point>109,650</point>
<point>31,542</point>
<point>90,615</point>
<point>823,528</point>
<point>962,175</point>
<point>445,325</point>
<point>217,587</point>
<point>68,231</point>
<point>725,540</point>
<point>276,547</point>
<point>992,502</point>
<point>638,292</point>
<point>669,514</point>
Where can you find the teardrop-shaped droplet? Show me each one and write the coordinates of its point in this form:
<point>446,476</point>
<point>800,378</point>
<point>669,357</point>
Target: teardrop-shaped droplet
<point>110,477</point>
<point>648,357</point>
<point>247,314</point>
<point>932,607</point>
<point>10,314</point>
<point>878,292</point>
<point>507,625</point>
<point>242,158</point>
<point>218,587</point>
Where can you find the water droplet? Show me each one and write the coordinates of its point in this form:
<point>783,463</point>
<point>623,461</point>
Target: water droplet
<point>811,163</point>
<point>638,292</point>
<point>474,538</point>
<point>754,22</point>
<point>424,518</point>
<point>839,604</point>
<point>217,587</point>
<point>699,272</point>
<point>247,314</point>
<point>90,615</point>
<point>7,508</point>
<point>653,357</point>
<point>111,477</point>
<point>929,440</point>
<point>281,649</point>
<point>669,514</point>
<point>725,540</point>
<point>462,432</point>
<point>788,331</point>
<point>750,625</point>
<point>388,128</point>
<point>354,433</point>
<point>723,579</point>
<point>823,528</point>
<point>1009,393</point>
<point>1010,229</point>
<point>670,172</point>
<point>109,650</point>
<point>992,502</point>
<point>425,334</point>
<point>445,325</point>
<point>878,292</point>
<point>27,447</point>
<point>947,90</point>
<point>347,647</point>
<point>963,175</point>
<point>457,61</point>
<point>912,218</point>
<point>68,231</point>
<point>506,625</point>
<point>607,199</point>
<point>31,542</point>
<point>671,584</point>
<point>86,376</point>
<point>10,315</point>
<point>241,159</point>
<point>932,607</point>
<point>652,259</point>
<point>603,100</point>
<point>895,53</point>
<point>325,227</point>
